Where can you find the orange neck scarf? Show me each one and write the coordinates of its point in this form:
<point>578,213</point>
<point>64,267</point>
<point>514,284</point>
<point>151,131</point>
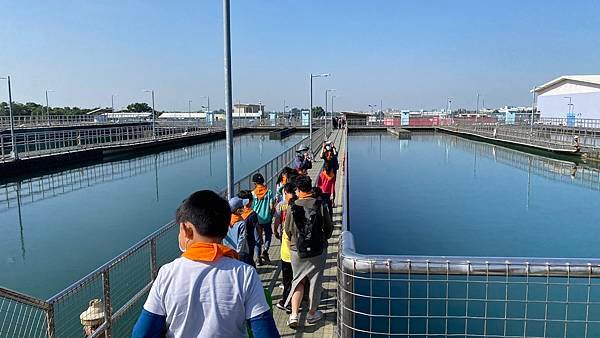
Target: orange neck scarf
<point>247,212</point>
<point>329,175</point>
<point>260,191</point>
<point>302,195</point>
<point>234,219</point>
<point>208,252</point>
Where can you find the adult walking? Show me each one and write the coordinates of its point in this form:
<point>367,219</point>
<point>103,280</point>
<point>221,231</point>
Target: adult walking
<point>308,226</point>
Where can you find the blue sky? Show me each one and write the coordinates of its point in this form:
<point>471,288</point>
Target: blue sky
<point>410,54</point>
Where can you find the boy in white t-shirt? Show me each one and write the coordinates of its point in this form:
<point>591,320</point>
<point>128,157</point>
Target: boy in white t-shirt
<point>207,292</point>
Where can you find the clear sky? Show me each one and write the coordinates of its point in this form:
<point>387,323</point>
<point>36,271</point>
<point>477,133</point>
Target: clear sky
<point>410,54</point>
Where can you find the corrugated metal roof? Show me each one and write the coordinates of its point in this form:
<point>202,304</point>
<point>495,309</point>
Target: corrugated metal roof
<point>592,79</point>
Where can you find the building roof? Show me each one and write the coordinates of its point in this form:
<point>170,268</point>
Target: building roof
<point>194,115</point>
<point>126,115</point>
<point>590,79</point>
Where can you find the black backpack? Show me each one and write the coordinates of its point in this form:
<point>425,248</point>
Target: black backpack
<point>309,224</point>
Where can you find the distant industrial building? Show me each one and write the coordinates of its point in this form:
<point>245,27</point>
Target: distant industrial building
<point>570,97</point>
<point>244,110</point>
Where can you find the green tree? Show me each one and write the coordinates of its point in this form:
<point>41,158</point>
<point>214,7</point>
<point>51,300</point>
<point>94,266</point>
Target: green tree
<point>139,107</point>
<point>318,111</point>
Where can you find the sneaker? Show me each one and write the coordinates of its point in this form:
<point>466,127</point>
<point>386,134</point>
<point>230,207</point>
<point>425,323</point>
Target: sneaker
<point>281,306</point>
<point>260,262</point>
<point>265,257</point>
<point>292,322</point>
<point>311,319</point>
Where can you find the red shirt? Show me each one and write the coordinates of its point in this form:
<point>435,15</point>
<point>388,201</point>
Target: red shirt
<point>326,183</point>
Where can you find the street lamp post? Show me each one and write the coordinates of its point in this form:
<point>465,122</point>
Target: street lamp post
<point>326,92</point>
<point>228,96</point>
<point>477,108</point>
<point>310,113</point>
<point>48,105</point>
<point>151,91</point>
<point>332,110</point>
<point>112,103</point>
<point>190,109</point>
<point>532,110</point>
<point>207,107</point>
<point>12,122</point>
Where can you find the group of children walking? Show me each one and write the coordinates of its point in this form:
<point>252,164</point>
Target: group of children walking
<point>213,289</point>
<point>259,214</point>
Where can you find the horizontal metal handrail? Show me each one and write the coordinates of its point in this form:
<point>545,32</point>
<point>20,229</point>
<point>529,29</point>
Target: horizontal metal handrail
<point>502,266</point>
<point>437,293</point>
<point>23,298</point>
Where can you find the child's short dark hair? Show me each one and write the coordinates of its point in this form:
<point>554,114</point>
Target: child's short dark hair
<point>304,183</point>
<point>317,192</point>
<point>289,188</point>
<point>245,195</point>
<point>207,211</point>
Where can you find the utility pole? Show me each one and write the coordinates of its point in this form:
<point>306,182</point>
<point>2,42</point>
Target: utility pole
<point>13,139</point>
<point>477,109</point>
<point>532,110</point>
<point>228,96</point>
<point>310,113</point>
<point>151,91</point>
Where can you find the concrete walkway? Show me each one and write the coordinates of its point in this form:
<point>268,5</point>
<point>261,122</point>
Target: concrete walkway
<point>271,274</point>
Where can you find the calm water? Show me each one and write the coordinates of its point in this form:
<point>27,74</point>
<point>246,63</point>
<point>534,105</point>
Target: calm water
<point>443,195</point>
<point>69,223</point>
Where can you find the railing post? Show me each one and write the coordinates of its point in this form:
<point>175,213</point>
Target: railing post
<point>153,264</point>
<point>107,303</point>
<point>50,323</point>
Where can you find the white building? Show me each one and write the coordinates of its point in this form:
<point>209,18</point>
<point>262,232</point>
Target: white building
<point>243,110</point>
<point>179,115</point>
<point>573,96</point>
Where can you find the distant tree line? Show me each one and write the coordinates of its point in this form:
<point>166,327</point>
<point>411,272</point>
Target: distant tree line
<point>35,109</point>
<point>32,108</point>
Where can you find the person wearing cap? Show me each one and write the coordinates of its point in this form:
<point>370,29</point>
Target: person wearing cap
<point>237,235</point>
<point>302,162</point>
<point>207,292</point>
<point>329,155</point>
<point>263,203</point>
<point>92,318</point>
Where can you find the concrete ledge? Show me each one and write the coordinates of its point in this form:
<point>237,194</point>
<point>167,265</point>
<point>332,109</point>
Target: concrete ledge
<point>281,134</point>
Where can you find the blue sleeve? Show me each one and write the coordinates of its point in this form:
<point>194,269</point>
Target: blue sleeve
<point>263,326</point>
<point>149,325</point>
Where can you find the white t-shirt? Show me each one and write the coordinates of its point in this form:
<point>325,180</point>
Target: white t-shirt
<point>207,299</point>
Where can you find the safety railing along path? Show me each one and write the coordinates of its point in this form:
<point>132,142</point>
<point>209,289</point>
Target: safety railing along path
<point>122,283</point>
<point>435,296</point>
<point>53,142</point>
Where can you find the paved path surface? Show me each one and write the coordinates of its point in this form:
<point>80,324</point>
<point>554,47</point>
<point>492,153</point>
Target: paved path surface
<point>271,274</point>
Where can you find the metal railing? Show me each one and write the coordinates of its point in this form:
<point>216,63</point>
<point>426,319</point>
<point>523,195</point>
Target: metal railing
<point>31,190</point>
<point>122,283</point>
<point>51,142</point>
<point>28,121</point>
<point>420,296</point>
<point>40,143</point>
